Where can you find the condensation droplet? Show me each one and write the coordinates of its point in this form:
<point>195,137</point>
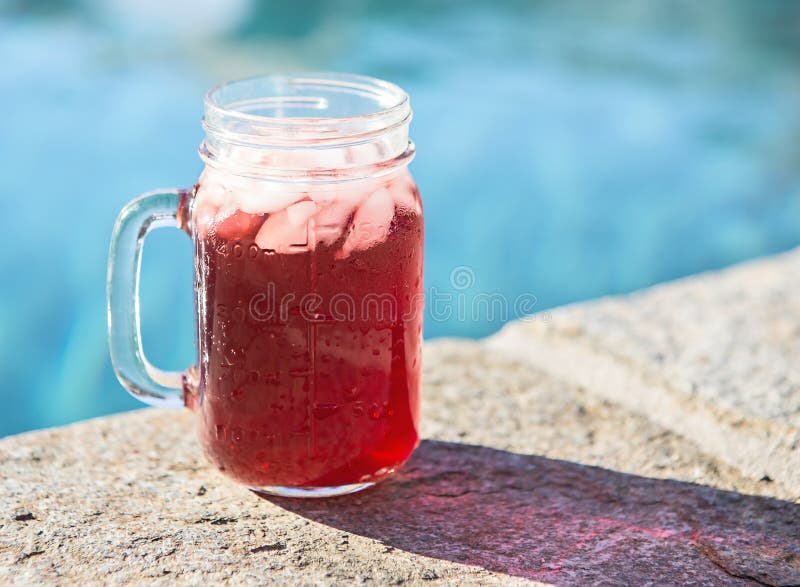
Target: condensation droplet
<point>323,411</point>
<point>237,435</point>
<point>374,412</point>
<point>232,356</point>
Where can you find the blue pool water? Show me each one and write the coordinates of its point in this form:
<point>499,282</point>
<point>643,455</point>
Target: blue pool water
<point>566,150</point>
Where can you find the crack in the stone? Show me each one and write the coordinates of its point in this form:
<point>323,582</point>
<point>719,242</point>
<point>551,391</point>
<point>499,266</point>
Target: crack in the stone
<point>218,521</point>
<point>268,548</point>
<point>448,494</point>
<point>140,539</point>
<point>26,555</point>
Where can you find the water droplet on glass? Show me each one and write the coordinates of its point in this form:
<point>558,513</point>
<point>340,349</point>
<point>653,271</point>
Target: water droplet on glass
<point>231,355</point>
<point>322,411</point>
<point>237,435</point>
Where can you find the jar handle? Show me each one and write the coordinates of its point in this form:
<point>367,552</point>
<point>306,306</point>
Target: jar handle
<point>156,209</point>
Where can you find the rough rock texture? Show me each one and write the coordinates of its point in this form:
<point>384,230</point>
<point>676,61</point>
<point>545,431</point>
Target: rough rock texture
<point>715,358</point>
<point>532,471</point>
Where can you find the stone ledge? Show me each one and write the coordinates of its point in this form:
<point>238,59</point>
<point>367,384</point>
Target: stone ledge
<point>715,358</point>
<point>532,471</point>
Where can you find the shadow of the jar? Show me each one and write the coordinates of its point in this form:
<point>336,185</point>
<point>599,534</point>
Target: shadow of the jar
<point>566,523</point>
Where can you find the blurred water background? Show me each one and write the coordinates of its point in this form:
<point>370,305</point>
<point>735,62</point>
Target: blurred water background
<point>566,149</point>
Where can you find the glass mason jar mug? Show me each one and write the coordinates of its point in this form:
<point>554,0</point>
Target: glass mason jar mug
<point>307,231</point>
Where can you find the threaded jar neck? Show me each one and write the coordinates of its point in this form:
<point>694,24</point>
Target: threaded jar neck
<point>312,128</point>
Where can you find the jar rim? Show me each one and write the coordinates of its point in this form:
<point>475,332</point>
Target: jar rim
<point>240,105</point>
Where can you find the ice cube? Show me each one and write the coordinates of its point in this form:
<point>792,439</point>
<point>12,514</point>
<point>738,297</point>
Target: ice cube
<point>404,192</point>
<point>298,214</point>
<point>203,217</point>
<point>371,223</point>
<point>264,197</point>
<point>250,195</point>
<point>210,189</point>
<point>287,231</point>
<point>236,225</point>
<point>335,209</point>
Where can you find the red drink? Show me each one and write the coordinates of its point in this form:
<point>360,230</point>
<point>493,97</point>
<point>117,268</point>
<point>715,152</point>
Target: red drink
<point>309,317</point>
<point>308,284</point>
